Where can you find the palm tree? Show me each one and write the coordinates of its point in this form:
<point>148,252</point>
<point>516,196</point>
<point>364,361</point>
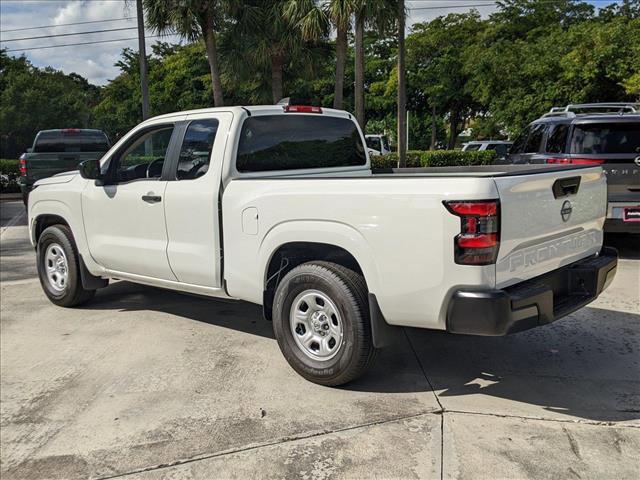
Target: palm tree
<point>192,20</point>
<point>402,97</point>
<point>313,18</point>
<point>267,33</point>
<point>380,14</point>
<point>339,12</point>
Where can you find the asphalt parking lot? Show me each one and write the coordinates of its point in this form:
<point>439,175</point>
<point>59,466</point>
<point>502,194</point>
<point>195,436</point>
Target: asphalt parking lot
<point>150,384</point>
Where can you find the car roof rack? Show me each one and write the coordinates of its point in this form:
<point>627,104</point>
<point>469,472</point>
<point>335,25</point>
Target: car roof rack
<point>571,110</point>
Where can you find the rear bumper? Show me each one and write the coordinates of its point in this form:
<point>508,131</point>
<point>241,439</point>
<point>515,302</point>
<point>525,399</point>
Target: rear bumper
<point>534,302</point>
<point>616,225</point>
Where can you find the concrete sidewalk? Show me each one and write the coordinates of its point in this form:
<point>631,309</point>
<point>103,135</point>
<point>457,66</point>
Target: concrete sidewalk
<point>148,383</point>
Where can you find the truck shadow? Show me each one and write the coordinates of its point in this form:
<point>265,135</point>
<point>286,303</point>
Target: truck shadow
<point>241,316</point>
<point>585,366</point>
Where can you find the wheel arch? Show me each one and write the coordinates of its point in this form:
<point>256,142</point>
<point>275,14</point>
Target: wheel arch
<point>45,220</point>
<point>297,253</point>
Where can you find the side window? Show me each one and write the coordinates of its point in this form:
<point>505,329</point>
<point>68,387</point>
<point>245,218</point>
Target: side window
<point>519,142</point>
<point>500,148</point>
<point>144,157</point>
<point>195,153</point>
<point>535,139</point>
<point>557,140</point>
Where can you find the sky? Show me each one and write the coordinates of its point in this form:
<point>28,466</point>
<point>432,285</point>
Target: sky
<point>96,62</point>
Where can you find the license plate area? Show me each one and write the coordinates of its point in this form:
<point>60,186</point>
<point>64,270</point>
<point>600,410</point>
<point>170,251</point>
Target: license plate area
<point>631,214</point>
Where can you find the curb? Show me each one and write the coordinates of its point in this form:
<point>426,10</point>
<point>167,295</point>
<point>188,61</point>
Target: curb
<point>5,197</point>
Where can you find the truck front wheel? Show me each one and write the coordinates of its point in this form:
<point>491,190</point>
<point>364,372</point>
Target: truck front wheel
<point>59,268</point>
<point>321,321</point>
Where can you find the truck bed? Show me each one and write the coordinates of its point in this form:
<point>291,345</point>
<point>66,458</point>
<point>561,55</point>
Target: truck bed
<point>476,170</point>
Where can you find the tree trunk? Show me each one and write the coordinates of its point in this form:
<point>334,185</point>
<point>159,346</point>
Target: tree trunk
<point>212,57</point>
<point>433,127</point>
<point>142,54</point>
<point>359,69</point>
<point>402,99</point>
<point>277,62</point>
<point>453,131</point>
<point>341,57</point>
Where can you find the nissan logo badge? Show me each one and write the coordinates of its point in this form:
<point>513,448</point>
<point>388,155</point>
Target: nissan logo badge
<point>566,210</point>
<point>637,160</point>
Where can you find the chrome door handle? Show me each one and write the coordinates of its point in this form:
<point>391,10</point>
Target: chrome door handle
<point>152,198</point>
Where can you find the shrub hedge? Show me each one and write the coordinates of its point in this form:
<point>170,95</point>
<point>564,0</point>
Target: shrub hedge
<point>435,158</point>
<point>10,168</point>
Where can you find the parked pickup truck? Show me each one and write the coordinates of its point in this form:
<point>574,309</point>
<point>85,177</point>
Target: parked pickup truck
<point>56,151</point>
<point>277,205</point>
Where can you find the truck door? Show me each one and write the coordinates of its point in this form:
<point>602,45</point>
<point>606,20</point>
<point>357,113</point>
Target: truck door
<point>124,218</point>
<point>192,200</point>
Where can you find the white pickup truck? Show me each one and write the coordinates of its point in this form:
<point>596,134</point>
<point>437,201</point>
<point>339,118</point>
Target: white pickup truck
<point>277,205</point>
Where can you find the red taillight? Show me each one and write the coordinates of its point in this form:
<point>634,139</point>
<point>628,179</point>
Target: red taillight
<point>23,166</point>
<point>478,241</point>
<point>479,238</point>
<point>70,130</point>
<point>482,209</point>
<point>575,161</point>
<point>302,109</point>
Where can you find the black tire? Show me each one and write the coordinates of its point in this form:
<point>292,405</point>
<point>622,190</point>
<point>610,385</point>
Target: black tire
<point>72,293</point>
<point>348,291</point>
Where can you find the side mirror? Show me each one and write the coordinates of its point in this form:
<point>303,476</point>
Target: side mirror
<point>90,169</point>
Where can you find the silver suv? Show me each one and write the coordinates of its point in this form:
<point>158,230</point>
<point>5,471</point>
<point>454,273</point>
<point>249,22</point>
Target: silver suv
<point>500,146</point>
<point>606,134</point>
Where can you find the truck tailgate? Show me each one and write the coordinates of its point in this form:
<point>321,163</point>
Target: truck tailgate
<point>548,220</point>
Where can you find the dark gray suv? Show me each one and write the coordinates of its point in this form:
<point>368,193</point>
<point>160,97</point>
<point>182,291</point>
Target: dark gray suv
<point>606,134</point>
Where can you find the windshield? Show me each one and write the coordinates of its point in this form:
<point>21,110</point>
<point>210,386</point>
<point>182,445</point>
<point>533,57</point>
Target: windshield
<point>594,138</point>
<point>470,147</point>
<point>71,141</point>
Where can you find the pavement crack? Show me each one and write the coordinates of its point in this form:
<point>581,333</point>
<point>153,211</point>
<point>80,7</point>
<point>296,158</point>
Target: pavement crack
<point>442,446</point>
<point>544,419</point>
<point>284,440</point>
<point>442,410</point>
<point>575,448</point>
<point>424,372</point>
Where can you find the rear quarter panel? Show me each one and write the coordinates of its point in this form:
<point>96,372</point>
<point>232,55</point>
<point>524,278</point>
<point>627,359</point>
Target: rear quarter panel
<point>396,228</point>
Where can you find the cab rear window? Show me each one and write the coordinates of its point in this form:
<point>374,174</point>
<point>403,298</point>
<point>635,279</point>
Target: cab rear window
<point>295,142</point>
<point>606,138</point>
<point>70,141</point>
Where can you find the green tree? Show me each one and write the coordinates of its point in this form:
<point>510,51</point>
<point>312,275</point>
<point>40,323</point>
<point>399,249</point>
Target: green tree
<point>263,37</point>
<point>192,20</point>
<point>313,18</point>
<point>571,58</point>
<point>33,99</point>
<point>436,53</point>
<point>378,14</point>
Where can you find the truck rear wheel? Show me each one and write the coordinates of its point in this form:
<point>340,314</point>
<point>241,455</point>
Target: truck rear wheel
<point>59,268</point>
<point>321,321</point>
